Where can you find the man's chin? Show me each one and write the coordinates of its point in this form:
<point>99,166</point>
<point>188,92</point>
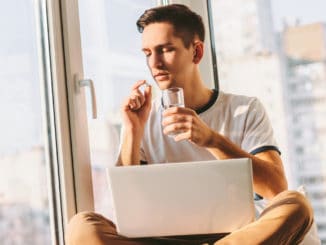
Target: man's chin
<point>164,84</point>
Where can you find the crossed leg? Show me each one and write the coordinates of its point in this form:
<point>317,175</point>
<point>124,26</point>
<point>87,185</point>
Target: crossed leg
<point>285,221</point>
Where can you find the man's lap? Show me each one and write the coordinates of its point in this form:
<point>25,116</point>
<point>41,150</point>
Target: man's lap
<point>288,203</point>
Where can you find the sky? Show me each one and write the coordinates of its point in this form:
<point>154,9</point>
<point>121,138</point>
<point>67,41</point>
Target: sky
<point>308,11</point>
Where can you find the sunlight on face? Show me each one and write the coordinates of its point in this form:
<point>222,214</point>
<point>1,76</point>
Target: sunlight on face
<point>169,61</point>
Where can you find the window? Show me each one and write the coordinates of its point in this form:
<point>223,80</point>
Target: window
<point>112,57</point>
<point>288,57</point>
<point>25,213</point>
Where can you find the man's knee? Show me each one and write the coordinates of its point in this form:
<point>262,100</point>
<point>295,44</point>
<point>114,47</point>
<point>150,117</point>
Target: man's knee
<point>292,202</point>
<point>298,205</point>
<point>294,212</point>
<point>87,226</point>
<point>78,221</point>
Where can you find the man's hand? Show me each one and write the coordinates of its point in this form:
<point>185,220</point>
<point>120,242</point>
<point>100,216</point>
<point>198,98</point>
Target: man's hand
<point>136,107</point>
<point>135,112</point>
<point>268,173</point>
<point>186,121</point>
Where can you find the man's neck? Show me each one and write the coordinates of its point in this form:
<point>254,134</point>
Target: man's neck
<point>196,94</point>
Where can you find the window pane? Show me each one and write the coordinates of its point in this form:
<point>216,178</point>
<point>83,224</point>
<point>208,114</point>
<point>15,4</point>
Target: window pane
<point>24,205</point>
<point>112,57</point>
<point>263,51</point>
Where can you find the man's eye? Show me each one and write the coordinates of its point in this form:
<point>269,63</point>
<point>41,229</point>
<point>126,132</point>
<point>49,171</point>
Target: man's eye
<point>169,49</point>
<point>147,54</point>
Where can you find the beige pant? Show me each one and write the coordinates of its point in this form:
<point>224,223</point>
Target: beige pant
<point>285,220</point>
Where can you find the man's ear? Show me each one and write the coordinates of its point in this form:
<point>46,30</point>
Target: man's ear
<point>198,52</point>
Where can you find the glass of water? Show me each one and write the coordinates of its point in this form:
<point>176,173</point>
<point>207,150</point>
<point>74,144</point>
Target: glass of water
<point>173,97</point>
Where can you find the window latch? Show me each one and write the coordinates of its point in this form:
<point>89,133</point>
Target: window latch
<point>90,84</point>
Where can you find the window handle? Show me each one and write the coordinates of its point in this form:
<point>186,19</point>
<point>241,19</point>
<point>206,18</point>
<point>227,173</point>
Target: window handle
<point>90,84</point>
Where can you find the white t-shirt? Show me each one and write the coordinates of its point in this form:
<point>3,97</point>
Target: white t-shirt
<point>241,119</point>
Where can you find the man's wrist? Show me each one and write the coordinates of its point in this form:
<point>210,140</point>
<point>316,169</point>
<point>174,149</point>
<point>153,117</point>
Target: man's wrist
<point>134,132</point>
<point>214,140</point>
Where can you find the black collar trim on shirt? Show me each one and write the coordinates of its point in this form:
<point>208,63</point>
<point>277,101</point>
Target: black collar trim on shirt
<point>210,102</point>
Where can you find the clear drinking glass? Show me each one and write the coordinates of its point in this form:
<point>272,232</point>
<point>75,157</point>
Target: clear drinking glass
<point>173,97</point>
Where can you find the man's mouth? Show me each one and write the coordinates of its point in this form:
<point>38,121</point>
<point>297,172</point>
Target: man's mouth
<point>161,76</point>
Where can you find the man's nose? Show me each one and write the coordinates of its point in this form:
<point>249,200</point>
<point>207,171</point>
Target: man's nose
<point>155,61</point>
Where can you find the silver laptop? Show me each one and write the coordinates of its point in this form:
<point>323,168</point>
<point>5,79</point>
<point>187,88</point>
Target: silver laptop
<point>182,198</point>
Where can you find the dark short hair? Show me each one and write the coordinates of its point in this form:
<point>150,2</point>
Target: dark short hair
<point>187,24</point>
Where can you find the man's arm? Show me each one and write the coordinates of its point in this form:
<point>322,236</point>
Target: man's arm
<point>130,148</point>
<point>135,112</point>
<point>268,174</point>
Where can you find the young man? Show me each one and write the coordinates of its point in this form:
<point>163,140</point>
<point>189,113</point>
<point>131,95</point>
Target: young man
<point>213,125</point>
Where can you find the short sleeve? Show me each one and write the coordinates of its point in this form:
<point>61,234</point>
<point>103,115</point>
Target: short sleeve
<point>258,132</point>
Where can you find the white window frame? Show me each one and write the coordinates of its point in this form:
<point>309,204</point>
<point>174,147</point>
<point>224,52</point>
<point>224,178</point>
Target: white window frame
<point>70,108</point>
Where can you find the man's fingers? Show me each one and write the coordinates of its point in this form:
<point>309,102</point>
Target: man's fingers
<point>138,99</point>
<point>137,95</point>
<point>148,94</point>
<point>183,136</point>
<point>135,103</point>
<point>174,118</point>
<point>176,127</point>
<point>138,84</point>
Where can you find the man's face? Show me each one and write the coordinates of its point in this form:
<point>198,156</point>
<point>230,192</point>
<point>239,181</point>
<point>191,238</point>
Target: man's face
<point>169,61</point>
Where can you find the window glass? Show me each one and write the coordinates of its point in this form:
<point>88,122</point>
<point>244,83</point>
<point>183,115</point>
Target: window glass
<point>112,57</point>
<point>24,201</point>
<point>276,51</point>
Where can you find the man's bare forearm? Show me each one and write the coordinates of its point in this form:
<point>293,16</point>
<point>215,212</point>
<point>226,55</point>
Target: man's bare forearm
<point>130,148</point>
<point>268,173</point>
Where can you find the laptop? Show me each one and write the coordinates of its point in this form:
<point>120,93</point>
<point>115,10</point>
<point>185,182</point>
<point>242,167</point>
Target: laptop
<point>182,198</point>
